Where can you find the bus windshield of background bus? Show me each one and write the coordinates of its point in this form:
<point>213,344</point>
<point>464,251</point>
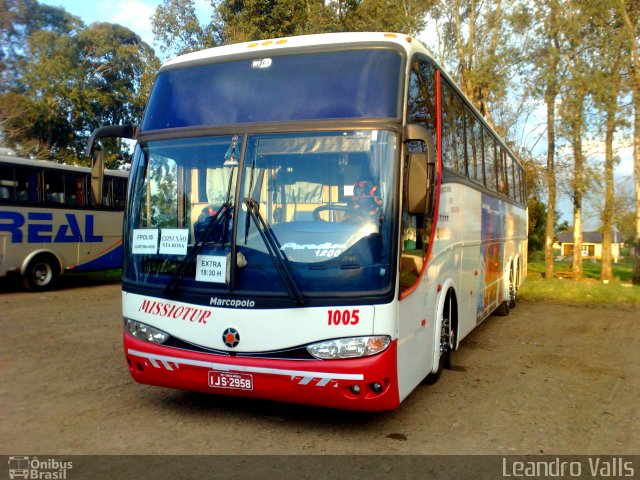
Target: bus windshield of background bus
<point>311,86</point>
<point>316,204</point>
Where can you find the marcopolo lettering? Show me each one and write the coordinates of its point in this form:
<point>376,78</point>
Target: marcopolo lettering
<point>178,312</point>
<point>232,302</point>
<point>39,228</point>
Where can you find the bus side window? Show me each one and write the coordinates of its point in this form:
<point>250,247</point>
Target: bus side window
<point>106,193</point>
<point>6,184</point>
<point>74,194</point>
<point>503,186</point>
<point>422,98</point>
<point>453,147</point>
<point>416,229</point>
<point>522,198</point>
<point>119,193</point>
<point>474,147</point>
<point>490,160</point>
<point>54,187</point>
<point>512,178</point>
<point>26,185</point>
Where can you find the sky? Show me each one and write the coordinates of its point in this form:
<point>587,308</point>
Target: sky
<point>136,15</point>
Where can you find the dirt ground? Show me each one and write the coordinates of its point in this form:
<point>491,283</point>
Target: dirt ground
<point>549,378</point>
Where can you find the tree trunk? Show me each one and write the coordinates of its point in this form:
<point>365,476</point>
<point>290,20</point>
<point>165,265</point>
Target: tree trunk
<point>605,273</point>
<point>551,182</point>
<point>635,277</point>
<point>631,31</point>
<point>576,140</point>
<point>551,92</point>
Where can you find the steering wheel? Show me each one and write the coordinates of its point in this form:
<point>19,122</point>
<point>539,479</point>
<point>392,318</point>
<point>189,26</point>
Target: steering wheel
<point>348,212</point>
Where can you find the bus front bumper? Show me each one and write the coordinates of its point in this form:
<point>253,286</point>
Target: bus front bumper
<point>366,384</point>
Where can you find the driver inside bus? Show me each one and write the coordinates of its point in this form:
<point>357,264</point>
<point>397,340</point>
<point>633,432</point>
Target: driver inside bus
<point>365,203</point>
<point>204,219</point>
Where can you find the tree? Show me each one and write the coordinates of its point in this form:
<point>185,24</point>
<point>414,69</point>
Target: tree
<point>630,12</point>
<point>245,20</point>
<point>608,59</point>
<point>177,30</point>
<point>19,19</point>
<point>29,114</point>
<point>624,209</point>
<point>479,43</point>
<point>67,80</point>
<point>383,15</point>
<point>545,57</point>
<point>44,93</point>
<point>537,224</point>
<point>576,56</point>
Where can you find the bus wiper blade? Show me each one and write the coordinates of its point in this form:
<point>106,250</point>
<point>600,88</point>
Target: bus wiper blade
<point>214,222</point>
<point>279,260</point>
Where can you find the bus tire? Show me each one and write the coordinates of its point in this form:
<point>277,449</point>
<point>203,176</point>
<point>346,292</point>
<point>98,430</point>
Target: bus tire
<point>41,273</point>
<point>513,288</point>
<point>512,298</point>
<point>503,309</point>
<point>447,338</point>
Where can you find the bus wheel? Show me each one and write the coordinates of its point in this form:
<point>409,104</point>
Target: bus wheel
<point>40,273</point>
<point>447,339</point>
<point>503,309</point>
<point>513,289</point>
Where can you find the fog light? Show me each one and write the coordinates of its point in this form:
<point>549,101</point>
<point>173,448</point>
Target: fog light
<point>355,389</point>
<point>145,332</point>
<point>376,387</point>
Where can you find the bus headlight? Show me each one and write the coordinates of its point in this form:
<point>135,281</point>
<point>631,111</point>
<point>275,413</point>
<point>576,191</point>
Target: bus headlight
<point>349,347</point>
<point>145,332</point>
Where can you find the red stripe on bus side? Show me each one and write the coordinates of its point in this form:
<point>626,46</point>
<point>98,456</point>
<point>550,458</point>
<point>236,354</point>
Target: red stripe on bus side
<point>436,206</point>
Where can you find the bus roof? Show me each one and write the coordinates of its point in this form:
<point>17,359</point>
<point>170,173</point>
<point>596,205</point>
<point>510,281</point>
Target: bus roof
<point>277,44</point>
<point>26,162</point>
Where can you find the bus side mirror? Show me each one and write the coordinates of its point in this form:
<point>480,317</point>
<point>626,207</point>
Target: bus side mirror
<point>97,177</point>
<point>110,131</point>
<point>97,157</point>
<point>420,171</point>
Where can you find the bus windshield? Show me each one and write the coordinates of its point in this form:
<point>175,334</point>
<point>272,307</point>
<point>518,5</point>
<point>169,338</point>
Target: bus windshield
<point>306,213</point>
<point>317,86</point>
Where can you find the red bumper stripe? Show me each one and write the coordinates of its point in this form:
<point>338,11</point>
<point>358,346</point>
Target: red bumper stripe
<point>154,358</point>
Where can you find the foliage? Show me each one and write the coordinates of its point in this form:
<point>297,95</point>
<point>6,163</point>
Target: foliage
<point>476,45</point>
<point>177,29</point>
<point>67,79</point>
<point>537,223</point>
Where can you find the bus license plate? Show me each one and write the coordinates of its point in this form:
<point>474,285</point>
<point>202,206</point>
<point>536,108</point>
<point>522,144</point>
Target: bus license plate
<point>236,381</point>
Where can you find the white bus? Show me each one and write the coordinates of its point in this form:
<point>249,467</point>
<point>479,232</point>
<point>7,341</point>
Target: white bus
<point>50,221</point>
<point>317,219</point>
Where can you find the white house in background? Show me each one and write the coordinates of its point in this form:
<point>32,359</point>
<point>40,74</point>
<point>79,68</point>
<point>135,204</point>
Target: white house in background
<point>591,244</point>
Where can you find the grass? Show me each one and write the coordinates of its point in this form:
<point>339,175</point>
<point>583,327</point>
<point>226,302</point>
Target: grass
<point>587,291</point>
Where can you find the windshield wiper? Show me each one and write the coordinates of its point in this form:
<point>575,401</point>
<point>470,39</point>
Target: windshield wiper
<point>215,220</point>
<point>279,260</point>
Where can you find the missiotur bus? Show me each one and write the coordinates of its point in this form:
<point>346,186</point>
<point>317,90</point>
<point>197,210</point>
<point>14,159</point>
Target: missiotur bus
<point>317,219</point>
<point>51,220</point>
